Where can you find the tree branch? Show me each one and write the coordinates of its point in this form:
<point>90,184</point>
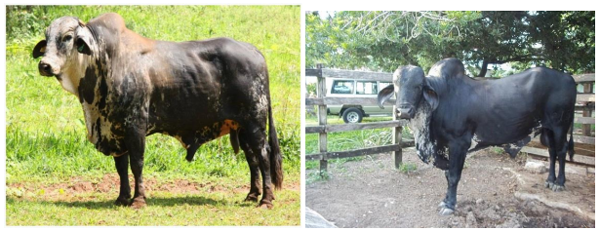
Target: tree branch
<point>532,57</point>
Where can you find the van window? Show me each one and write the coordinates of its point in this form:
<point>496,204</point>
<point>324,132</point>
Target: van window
<point>366,88</point>
<point>382,85</point>
<point>342,87</point>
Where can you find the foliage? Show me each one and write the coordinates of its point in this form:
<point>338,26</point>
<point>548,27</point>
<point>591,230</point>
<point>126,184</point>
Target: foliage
<point>383,40</point>
<point>45,130</point>
<point>407,167</point>
<point>311,89</point>
<point>316,176</point>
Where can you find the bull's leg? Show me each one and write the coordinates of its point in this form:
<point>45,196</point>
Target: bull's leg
<point>122,165</point>
<point>264,162</point>
<point>547,139</point>
<point>255,136</point>
<point>458,153</point>
<point>551,169</point>
<point>254,170</point>
<point>560,144</point>
<point>254,178</point>
<point>559,184</point>
<point>135,144</point>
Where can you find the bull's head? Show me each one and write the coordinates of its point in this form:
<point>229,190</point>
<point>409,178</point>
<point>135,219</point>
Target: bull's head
<point>415,101</point>
<point>66,38</point>
<point>411,87</point>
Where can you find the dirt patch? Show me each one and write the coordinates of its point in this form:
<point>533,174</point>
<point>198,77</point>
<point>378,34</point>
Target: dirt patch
<point>371,193</point>
<point>109,183</point>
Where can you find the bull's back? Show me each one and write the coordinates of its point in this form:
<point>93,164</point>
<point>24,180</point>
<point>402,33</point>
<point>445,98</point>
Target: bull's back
<point>510,107</point>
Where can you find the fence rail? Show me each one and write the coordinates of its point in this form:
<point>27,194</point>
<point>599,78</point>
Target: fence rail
<point>353,127</point>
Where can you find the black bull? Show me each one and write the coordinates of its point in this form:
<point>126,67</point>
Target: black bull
<point>131,87</point>
<point>447,110</point>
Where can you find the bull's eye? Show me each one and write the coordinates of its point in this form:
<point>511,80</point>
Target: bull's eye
<point>67,38</point>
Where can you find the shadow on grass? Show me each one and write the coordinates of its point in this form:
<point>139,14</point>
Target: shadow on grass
<point>153,201</point>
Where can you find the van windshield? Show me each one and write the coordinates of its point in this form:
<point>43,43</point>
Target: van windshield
<point>342,87</point>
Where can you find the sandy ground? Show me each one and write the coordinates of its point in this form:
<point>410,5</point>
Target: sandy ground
<point>494,191</point>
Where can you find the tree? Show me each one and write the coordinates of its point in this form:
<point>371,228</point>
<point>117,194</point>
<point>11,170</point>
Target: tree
<point>385,40</point>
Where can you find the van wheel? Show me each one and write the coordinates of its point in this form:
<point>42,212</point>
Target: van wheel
<point>352,115</point>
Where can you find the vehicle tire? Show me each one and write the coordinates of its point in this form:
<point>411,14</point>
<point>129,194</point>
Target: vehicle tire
<point>352,115</point>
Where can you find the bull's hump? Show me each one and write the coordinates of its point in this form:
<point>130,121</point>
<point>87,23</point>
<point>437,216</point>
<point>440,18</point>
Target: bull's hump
<point>110,20</point>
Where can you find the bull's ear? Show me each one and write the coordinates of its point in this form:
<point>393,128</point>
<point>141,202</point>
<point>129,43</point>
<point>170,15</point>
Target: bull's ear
<point>39,49</point>
<point>385,94</point>
<point>431,97</point>
<point>83,41</point>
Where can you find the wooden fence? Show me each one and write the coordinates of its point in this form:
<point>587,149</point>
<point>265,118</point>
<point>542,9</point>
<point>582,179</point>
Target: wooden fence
<point>323,128</point>
<point>584,139</point>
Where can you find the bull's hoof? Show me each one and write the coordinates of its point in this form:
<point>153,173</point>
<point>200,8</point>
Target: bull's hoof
<point>549,184</point>
<point>442,204</point>
<point>251,197</point>
<point>265,205</point>
<point>122,201</point>
<point>138,203</point>
<point>555,187</point>
<point>558,188</point>
<point>445,211</point>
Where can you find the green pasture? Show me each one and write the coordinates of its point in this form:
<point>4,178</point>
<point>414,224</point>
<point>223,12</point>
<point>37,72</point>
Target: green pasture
<point>46,136</point>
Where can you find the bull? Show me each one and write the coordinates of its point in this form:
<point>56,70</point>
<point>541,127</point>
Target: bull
<point>447,110</point>
<point>130,87</point>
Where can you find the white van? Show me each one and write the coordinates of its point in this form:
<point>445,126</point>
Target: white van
<point>348,88</point>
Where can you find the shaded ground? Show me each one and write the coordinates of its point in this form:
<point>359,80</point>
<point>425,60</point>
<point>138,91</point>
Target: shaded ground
<point>78,201</point>
<point>110,184</point>
<point>371,193</point>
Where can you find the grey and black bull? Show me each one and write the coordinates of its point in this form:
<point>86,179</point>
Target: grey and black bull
<point>131,87</point>
<point>448,110</point>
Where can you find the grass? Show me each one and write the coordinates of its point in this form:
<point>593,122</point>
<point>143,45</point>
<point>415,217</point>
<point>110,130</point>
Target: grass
<point>218,203</point>
<point>407,167</point>
<point>46,135</point>
<point>165,209</point>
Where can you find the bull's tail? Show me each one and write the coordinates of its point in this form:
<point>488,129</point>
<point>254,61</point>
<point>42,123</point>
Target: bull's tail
<point>571,145</point>
<point>274,153</point>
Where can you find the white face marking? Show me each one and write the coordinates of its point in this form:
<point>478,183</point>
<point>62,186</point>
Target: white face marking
<point>73,72</point>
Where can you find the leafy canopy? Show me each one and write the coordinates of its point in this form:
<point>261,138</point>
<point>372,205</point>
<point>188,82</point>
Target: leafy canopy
<point>383,40</point>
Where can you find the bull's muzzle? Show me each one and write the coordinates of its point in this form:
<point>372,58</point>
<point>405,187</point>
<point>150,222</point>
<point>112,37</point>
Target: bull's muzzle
<point>405,112</point>
<point>46,69</point>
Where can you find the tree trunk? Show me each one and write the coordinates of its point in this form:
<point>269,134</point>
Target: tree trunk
<point>483,69</point>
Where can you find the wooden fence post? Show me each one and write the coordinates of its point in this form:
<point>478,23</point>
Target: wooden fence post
<point>586,128</point>
<point>397,139</point>
<point>322,115</point>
